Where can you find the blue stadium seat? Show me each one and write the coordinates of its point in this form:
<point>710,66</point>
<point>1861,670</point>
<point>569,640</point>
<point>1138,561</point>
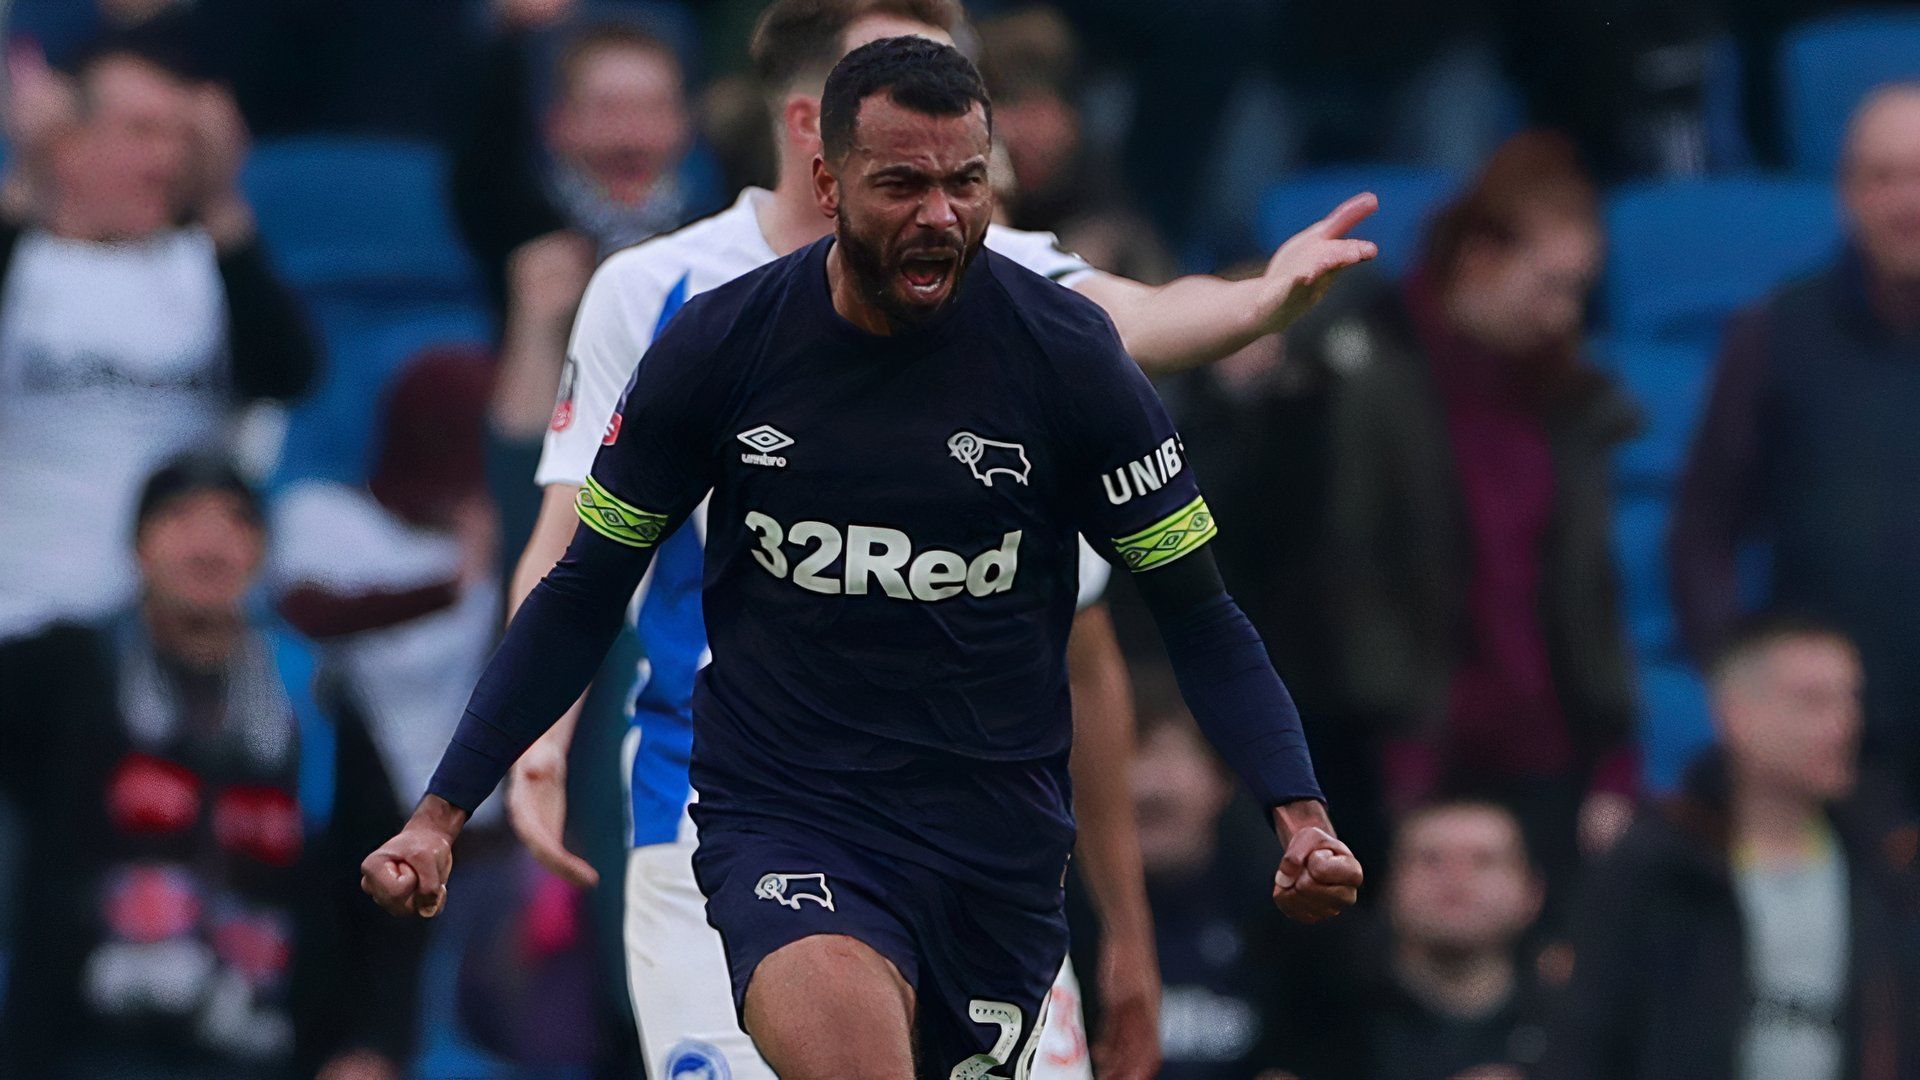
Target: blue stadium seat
<point>359,217</point>
<point>1669,383</point>
<point>331,433</point>
<point>1407,197</point>
<point>1828,65</point>
<point>1686,254</point>
<point>1675,726</point>
<point>1640,550</point>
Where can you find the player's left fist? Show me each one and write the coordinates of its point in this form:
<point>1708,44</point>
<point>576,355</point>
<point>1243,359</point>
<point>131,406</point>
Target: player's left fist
<point>1319,877</point>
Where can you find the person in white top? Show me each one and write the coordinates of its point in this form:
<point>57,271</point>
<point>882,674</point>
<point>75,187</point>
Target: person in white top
<point>137,313</point>
<point>676,972</point>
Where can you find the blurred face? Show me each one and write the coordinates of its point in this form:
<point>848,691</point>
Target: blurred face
<point>1881,184</point>
<point>1460,881</point>
<point>1523,297</point>
<point>623,121</point>
<point>1789,718</point>
<point>1178,797</point>
<point>128,165</point>
<point>200,551</point>
<point>911,204</point>
<point>1042,134</point>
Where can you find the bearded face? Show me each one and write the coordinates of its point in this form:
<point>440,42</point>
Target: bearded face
<point>911,207</point>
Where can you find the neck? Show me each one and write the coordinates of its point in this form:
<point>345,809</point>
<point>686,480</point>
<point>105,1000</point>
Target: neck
<point>68,221</point>
<point>1460,983</point>
<point>1771,823</point>
<point>200,638</point>
<point>791,219</point>
<point>847,298</point>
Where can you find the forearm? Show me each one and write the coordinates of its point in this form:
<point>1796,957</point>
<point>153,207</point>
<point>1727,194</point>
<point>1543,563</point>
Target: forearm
<point>1185,323</point>
<point>1228,681</point>
<point>532,352</point>
<point>273,353</point>
<point>1102,765</point>
<point>556,641</point>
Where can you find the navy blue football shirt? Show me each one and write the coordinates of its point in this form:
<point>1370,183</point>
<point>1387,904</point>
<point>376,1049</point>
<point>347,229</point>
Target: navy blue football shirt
<point>891,548</point>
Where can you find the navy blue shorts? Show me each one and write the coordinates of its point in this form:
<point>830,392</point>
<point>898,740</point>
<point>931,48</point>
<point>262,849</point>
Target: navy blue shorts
<point>980,967</point>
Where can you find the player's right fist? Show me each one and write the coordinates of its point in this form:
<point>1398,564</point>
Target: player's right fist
<point>407,875</point>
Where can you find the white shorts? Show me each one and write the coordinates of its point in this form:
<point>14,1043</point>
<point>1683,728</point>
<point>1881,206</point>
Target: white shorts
<point>683,999</point>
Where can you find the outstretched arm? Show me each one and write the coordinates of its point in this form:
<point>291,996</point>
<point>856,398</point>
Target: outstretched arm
<point>1246,713</point>
<point>1198,319</point>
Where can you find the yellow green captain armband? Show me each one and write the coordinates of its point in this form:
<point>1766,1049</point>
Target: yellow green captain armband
<point>621,522</point>
<point>1168,539</point>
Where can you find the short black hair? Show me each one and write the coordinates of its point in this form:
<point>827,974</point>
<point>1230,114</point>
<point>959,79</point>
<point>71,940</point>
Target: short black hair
<point>1764,630</point>
<point>191,473</point>
<point>916,73</point>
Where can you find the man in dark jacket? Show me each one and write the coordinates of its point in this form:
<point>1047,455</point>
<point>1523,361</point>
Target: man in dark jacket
<point>1808,444</point>
<point>1762,926</point>
<point>1470,556</point>
<point>187,906</point>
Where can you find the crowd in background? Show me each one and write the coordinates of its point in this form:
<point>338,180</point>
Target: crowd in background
<point>260,488</point>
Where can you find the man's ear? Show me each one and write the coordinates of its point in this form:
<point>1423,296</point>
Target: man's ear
<point>800,124</point>
<point>826,187</point>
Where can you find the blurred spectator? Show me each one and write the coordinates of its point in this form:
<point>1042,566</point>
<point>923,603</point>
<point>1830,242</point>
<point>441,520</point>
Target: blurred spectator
<point>1060,185</point>
<point>1457,1001</point>
<point>1442,991</point>
<point>1216,1000</point>
<point>600,152</point>
<point>1807,442</point>
<point>549,180</point>
<point>1761,927</point>
<point>1471,522</point>
<point>398,580</point>
<point>125,336</point>
<point>194,820</point>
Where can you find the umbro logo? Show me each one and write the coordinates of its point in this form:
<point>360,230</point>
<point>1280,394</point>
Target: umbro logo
<point>764,440</point>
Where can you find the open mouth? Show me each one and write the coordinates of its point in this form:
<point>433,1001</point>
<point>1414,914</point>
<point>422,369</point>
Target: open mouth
<point>928,273</point>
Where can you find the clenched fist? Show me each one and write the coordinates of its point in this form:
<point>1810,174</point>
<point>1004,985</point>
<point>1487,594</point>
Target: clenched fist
<point>408,874</point>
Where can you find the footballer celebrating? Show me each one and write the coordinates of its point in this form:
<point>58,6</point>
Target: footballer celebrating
<point>687,1020</point>
<point>900,436</point>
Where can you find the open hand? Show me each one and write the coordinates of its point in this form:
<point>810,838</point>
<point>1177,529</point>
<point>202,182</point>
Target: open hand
<point>537,807</point>
<point>1304,267</point>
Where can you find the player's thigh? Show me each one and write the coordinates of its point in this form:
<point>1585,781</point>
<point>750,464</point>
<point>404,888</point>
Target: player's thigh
<point>1063,1041</point>
<point>828,1007</point>
<point>987,972</point>
<point>677,974</point>
<point>772,885</point>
